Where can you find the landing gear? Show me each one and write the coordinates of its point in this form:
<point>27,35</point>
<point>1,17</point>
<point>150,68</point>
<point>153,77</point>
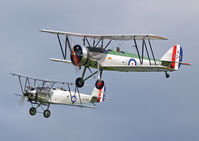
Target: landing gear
<point>79,82</point>
<point>32,111</point>
<point>167,75</point>
<point>99,84</point>
<point>46,113</point>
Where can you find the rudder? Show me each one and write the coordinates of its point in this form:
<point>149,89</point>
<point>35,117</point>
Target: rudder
<point>174,56</point>
<point>98,95</point>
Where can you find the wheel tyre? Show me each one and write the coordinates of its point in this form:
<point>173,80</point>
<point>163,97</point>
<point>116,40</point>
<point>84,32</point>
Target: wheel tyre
<point>79,82</point>
<point>33,111</point>
<point>46,113</point>
<point>99,84</point>
<point>167,75</point>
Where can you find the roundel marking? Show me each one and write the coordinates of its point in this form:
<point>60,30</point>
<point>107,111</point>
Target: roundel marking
<point>132,62</point>
<point>74,99</point>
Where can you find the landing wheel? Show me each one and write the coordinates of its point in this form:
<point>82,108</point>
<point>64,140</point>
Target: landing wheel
<point>167,75</point>
<point>79,82</point>
<point>32,111</point>
<point>46,113</point>
<point>99,84</point>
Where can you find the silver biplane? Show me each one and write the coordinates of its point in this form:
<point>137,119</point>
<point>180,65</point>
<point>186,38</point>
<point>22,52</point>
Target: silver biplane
<point>46,94</point>
<point>94,53</point>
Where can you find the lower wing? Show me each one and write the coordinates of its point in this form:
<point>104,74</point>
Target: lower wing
<point>137,68</point>
<point>61,60</point>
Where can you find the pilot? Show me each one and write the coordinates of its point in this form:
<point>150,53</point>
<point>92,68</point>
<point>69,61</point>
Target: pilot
<point>62,89</point>
<point>118,49</point>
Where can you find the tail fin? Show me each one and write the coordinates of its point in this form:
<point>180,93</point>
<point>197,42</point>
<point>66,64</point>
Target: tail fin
<point>98,95</point>
<point>173,57</point>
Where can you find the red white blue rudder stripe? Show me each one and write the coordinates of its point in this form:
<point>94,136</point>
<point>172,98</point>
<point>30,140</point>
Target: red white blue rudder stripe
<point>175,56</point>
<point>99,94</point>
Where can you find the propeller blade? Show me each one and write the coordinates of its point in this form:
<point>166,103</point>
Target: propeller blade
<point>18,94</point>
<point>22,101</point>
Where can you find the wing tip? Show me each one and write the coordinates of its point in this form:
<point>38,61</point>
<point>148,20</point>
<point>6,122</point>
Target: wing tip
<point>159,37</point>
<point>41,30</point>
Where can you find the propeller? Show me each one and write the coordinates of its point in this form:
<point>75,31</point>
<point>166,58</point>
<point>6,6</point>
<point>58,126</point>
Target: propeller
<point>22,100</point>
<point>76,55</point>
<point>76,52</point>
<point>25,94</point>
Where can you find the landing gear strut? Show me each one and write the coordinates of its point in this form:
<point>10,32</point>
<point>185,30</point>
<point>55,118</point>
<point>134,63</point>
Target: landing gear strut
<point>33,110</point>
<point>99,84</point>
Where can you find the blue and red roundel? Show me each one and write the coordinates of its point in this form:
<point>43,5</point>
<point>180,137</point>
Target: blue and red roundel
<point>74,98</point>
<point>132,62</point>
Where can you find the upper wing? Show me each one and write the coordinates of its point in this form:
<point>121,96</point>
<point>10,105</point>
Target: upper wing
<point>43,80</point>
<point>110,37</point>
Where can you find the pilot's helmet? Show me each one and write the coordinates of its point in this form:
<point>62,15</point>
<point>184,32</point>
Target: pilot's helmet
<point>118,49</point>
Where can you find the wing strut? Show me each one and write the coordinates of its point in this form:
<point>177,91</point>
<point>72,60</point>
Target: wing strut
<point>95,44</point>
<point>107,44</point>
<point>143,49</point>
<point>102,43</point>
<point>144,44</point>
<point>152,51</point>
<point>51,86</point>
<point>27,81</point>
<point>87,42</point>
<point>79,95</point>
<point>70,93</point>
<point>137,50</point>
<point>98,42</point>
<point>67,44</point>
<point>21,84</point>
<point>77,91</point>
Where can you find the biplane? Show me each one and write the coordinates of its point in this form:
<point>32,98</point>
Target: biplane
<point>42,93</point>
<point>94,52</point>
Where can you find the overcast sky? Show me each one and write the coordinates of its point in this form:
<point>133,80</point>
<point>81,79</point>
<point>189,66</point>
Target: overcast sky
<point>144,106</point>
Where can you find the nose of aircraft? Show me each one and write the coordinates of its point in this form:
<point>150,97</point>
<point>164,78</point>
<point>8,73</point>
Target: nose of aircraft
<point>76,55</point>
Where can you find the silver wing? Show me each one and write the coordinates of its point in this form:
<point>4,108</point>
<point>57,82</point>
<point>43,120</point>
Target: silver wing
<point>42,80</point>
<point>109,37</point>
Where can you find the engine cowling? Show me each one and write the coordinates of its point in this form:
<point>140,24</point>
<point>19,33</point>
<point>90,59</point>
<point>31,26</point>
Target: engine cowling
<point>79,55</point>
<point>31,93</point>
